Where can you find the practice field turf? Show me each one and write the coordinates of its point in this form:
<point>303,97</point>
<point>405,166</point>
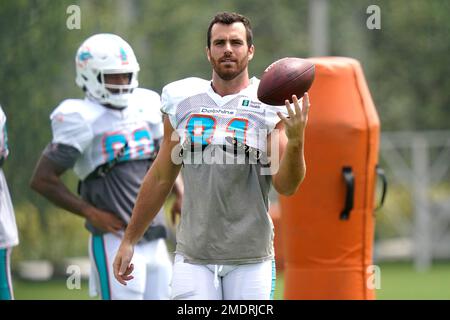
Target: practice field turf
<point>57,290</point>
<point>401,281</point>
<point>49,290</point>
<point>398,281</point>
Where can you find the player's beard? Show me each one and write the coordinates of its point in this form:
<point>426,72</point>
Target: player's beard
<point>229,72</point>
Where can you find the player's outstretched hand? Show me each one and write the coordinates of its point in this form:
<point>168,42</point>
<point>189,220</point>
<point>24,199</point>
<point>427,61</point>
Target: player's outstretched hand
<point>122,263</point>
<point>295,125</point>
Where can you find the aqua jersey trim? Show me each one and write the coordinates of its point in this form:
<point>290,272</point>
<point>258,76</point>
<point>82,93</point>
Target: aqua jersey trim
<point>274,280</point>
<point>5,288</point>
<point>98,249</point>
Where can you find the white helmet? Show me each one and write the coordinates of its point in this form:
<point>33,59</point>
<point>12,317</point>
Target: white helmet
<point>103,54</point>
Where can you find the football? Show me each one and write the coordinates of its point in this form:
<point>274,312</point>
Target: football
<point>284,78</point>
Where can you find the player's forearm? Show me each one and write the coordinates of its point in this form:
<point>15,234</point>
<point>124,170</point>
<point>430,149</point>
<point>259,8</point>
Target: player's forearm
<point>46,180</point>
<point>292,169</point>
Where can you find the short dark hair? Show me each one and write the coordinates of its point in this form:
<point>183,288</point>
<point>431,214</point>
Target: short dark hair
<point>230,18</point>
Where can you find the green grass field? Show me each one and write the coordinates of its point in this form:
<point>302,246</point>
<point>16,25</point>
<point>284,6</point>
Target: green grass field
<point>401,281</point>
<point>398,281</point>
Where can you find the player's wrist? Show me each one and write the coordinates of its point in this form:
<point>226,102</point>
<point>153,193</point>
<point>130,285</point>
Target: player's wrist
<point>128,240</point>
<point>86,211</point>
<point>295,143</point>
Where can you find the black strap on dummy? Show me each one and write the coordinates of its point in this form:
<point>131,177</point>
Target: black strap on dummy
<point>349,179</point>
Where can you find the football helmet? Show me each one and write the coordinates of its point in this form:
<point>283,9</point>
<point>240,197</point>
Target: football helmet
<point>103,54</point>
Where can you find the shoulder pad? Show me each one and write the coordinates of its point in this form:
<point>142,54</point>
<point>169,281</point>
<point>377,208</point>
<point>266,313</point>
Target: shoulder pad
<point>177,91</point>
<point>71,122</point>
<point>80,109</point>
<point>148,103</point>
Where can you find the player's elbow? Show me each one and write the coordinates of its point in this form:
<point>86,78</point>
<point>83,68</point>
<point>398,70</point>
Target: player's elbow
<point>39,182</point>
<point>287,191</point>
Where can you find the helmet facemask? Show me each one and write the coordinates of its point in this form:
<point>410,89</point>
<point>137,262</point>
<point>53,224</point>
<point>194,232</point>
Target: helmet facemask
<point>117,95</point>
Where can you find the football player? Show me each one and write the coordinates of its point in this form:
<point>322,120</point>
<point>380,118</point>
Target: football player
<point>110,139</point>
<point>225,237</point>
<point>8,229</point>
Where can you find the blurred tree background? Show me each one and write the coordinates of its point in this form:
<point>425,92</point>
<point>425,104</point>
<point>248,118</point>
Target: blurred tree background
<point>406,64</point>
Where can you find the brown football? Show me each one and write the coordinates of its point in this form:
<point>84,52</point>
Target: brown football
<point>284,78</point>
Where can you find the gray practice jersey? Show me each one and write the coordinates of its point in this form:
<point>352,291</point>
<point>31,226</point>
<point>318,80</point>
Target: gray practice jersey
<point>225,207</point>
